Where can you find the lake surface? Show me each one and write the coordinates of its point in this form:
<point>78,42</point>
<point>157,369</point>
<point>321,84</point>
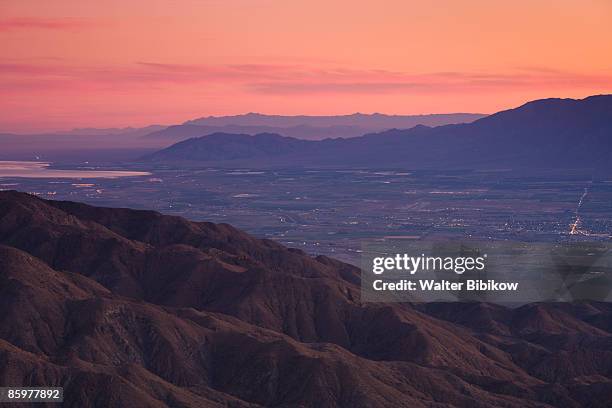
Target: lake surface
<point>10,169</point>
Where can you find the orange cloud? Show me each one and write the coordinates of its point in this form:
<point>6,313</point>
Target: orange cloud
<point>283,78</point>
<point>287,79</point>
<point>28,23</point>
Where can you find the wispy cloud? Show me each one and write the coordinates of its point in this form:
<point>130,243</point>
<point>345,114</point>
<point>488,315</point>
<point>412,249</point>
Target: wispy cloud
<point>290,79</point>
<point>383,82</point>
<point>64,23</point>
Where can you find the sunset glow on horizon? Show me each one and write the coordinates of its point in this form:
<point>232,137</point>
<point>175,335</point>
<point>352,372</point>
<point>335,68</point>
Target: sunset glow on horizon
<point>68,64</point>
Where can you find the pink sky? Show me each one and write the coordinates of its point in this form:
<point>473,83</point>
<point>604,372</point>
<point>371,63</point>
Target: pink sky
<point>69,63</point>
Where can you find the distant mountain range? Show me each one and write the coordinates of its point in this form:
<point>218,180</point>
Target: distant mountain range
<point>127,308</point>
<point>110,144</point>
<point>370,121</point>
<point>305,132</point>
<point>549,133</point>
<point>131,131</point>
<point>308,127</point>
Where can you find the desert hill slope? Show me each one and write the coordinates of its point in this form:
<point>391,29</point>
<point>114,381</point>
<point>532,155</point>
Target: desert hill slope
<point>135,308</point>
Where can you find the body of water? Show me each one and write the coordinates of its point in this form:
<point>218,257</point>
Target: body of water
<point>10,169</point>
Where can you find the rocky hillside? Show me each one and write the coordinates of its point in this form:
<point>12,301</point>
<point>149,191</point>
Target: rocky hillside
<point>134,308</point>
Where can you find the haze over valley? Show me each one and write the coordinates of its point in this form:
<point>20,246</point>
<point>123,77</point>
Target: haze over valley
<point>112,144</point>
<point>516,175</point>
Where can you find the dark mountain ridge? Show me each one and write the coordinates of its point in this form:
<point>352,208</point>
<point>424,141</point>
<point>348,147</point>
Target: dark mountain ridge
<point>549,133</point>
<point>305,127</point>
<point>135,308</point>
<point>231,147</point>
<point>304,132</point>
